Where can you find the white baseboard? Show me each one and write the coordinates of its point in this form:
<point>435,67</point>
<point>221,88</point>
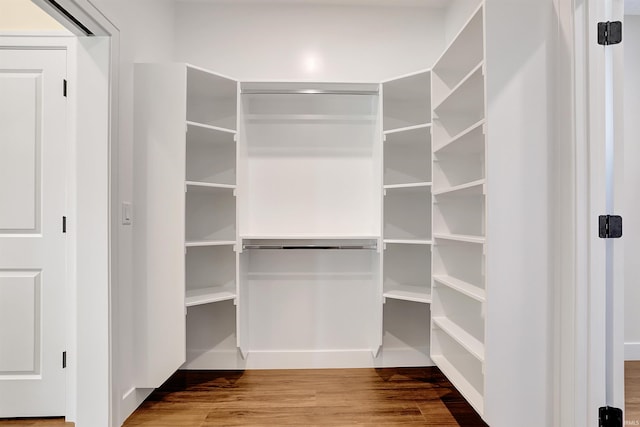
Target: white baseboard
<point>325,359</point>
<point>632,351</point>
<point>131,400</point>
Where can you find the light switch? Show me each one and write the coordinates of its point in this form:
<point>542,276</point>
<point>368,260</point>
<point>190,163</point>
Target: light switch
<point>126,213</point>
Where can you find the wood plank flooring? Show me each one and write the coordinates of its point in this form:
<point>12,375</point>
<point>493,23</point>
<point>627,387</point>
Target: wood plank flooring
<point>327,397</point>
<point>632,393</point>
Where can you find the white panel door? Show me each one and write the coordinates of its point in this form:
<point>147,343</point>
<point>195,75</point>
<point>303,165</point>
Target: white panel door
<point>32,244</point>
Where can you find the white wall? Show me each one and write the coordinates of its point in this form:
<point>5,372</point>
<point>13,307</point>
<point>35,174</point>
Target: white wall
<point>520,71</point>
<point>146,35</point>
<point>632,178</point>
<point>22,15</point>
<point>306,42</point>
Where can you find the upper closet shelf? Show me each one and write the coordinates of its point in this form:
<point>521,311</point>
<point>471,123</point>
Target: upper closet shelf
<point>407,128</point>
<point>200,243</point>
<point>408,185</point>
<point>207,186</point>
<point>408,241</point>
<point>467,95</point>
<point>469,141</point>
<point>209,127</point>
<point>465,50</point>
<point>460,238</point>
<point>475,188</point>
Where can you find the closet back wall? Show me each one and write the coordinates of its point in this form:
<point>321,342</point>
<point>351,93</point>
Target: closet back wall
<point>298,42</point>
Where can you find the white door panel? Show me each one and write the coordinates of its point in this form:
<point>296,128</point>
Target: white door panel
<point>32,245</point>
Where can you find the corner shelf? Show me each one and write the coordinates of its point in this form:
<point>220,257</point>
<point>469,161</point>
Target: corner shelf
<point>468,95</point>
<point>475,188</point>
<point>459,380</point>
<point>461,238</point>
<point>209,127</point>
<point>407,129</point>
<point>407,241</point>
<point>201,243</point>
<point>199,186</point>
<point>411,293</point>
<point>465,142</point>
<point>461,286</point>
<point>408,185</point>
<point>462,337</point>
<point>208,295</point>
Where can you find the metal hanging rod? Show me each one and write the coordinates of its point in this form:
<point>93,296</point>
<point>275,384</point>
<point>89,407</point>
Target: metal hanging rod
<point>307,92</point>
<point>288,247</point>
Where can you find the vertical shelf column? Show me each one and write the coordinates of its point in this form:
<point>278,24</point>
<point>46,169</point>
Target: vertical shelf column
<point>459,212</point>
<point>407,217</point>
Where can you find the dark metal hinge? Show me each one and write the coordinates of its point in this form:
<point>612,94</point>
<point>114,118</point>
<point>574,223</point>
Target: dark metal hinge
<point>64,359</point>
<point>610,226</point>
<point>609,32</point>
<point>64,224</point>
<point>64,88</point>
<point>610,417</point>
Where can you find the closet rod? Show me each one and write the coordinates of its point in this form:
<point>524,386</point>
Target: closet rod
<point>339,247</point>
<point>307,92</point>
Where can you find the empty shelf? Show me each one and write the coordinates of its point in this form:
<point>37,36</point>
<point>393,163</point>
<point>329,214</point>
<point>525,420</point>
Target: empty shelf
<point>460,238</point>
<point>407,128</point>
<point>469,141</point>
<point>199,185</point>
<point>195,243</point>
<point>474,397</point>
<point>468,189</point>
<point>408,185</point>
<point>419,294</point>
<point>461,286</point>
<point>209,127</point>
<point>209,295</point>
<point>408,241</point>
<point>462,337</point>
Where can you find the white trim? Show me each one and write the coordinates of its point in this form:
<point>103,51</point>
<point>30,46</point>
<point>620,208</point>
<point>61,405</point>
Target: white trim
<point>130,400</point>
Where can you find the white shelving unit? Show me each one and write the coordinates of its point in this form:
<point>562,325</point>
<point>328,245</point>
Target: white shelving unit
<point>459,212</point>
<point>185,234</point>
<point>407,189</point>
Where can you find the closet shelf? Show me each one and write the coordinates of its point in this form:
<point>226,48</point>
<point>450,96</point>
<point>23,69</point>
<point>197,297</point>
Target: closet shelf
<point>407,128</point>
<point>207,186</point>
<point>469,141</point>
<point>408,185</point>
<point>461,286</point>
<point>306,237</point>
<point>408,241</point>
<point>209,127</point>
<point>474,397</point>
<point>462,337</point>
<point>419,294</point>
<point>209,295</point>
<point>460,238</point>
<point>255,118</point>
<point>474,188</point>
<point>467,42</point>
<point>200,243</point>
<point>467,94</point>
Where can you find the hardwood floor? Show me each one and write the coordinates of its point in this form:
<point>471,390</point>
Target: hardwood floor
<point>632,393</point>
<point>328,397</point>
<point>366,397</point>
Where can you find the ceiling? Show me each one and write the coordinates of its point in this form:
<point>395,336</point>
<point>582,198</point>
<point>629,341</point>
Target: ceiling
<point>416,3</point>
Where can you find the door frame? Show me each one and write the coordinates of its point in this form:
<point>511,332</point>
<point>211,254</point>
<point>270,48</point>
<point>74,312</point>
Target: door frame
<point>592,353</point>
<point>93,129</point>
